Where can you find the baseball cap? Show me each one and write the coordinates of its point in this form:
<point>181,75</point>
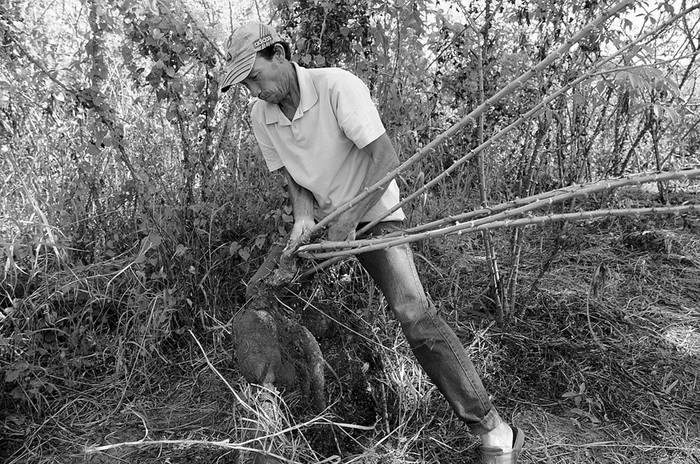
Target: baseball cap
<point>245,41</point>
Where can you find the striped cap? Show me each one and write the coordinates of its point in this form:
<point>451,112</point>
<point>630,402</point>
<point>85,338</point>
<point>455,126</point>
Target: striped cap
<point>245,41</point>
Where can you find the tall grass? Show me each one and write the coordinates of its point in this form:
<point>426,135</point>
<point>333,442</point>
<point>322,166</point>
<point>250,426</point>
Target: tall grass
<point>117,346</point>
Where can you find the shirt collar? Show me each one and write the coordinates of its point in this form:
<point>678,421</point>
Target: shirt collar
<point>307,98</point>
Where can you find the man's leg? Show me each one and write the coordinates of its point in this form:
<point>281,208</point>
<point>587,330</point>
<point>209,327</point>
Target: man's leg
<point>433,342</point>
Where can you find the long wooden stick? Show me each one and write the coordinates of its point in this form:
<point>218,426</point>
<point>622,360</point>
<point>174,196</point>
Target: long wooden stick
<point>459,229</point>
<point>525,117</point>
<point>469,118</point>
<point>553,196</point>
<point>503,218</point>
<point>482,212</point>
<point>530,203</point>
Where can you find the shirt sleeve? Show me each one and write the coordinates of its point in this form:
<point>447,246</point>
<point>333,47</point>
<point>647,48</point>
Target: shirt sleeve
<point>356,113</point>
<point>272,158</point>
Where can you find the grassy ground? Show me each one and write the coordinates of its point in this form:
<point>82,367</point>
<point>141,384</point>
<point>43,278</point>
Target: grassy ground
<point>597,363</point>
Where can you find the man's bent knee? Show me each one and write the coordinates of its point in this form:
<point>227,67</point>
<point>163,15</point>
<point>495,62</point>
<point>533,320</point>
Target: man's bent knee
<point>412,307</point>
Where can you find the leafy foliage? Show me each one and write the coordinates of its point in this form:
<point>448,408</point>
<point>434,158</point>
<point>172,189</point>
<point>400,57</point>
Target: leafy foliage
<point>135,205</point>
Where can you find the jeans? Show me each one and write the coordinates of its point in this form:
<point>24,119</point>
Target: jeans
<point>433,342</point>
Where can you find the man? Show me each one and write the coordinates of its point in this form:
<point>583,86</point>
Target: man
<point>322,130</point>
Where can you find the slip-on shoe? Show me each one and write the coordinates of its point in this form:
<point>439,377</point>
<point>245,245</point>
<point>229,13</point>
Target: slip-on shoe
<point>493,455</point>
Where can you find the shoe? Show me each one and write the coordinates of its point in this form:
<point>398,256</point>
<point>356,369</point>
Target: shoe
<point>493,455</point>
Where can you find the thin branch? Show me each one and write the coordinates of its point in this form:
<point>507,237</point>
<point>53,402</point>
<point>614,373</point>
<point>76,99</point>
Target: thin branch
<point>533,112</point>
<point>316,267</point>
<point>503,218</point>
<point>195,23</point>
<point>469,118</point>
<point>459,229</point>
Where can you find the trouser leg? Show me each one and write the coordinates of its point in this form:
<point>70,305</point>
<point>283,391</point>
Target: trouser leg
<point>434,343</point>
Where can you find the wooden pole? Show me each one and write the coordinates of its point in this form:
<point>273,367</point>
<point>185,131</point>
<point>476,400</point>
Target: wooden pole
<point>469,118</point>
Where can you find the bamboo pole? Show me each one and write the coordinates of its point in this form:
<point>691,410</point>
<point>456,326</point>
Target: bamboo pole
<point>528,204</point>
<point>551,196</point>
<point>499,295</point>
<point>535,110</point>
<point>505,217</point>
<point>525,117</point>
<point>469,118</point>
<point>459,229</point>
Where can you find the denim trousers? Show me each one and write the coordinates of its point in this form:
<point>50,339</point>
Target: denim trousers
<point>433,342</point>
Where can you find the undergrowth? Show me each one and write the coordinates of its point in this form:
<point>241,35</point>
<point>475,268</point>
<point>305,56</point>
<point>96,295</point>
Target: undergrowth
<point>128,359</point>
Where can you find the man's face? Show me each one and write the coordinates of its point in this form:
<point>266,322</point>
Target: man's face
<point>267,79</point>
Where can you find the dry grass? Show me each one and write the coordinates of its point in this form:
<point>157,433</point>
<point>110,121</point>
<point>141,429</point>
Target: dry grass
<point>599,363</point>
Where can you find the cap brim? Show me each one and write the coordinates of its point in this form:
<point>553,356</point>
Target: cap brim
<point>237,71</point>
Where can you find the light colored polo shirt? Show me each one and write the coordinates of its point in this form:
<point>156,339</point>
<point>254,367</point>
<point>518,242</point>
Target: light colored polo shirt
<point>321,147</point>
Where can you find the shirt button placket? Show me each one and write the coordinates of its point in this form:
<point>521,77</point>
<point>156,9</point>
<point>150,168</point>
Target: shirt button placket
<point>298,135</point>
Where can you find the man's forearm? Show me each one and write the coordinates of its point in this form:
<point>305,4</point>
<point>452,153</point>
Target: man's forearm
<point>384,160</point>
<point>302,200</point>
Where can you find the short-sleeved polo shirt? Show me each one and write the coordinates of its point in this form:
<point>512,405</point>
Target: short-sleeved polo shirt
<point>321,147</point>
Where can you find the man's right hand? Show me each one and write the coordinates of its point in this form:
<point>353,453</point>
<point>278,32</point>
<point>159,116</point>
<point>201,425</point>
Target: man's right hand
<point>287,266</point>
<point>300,227</point>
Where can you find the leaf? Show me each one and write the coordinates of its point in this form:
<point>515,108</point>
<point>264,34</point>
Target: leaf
<point>11,376</point>
<point>673,114</point>
<point>94,150</point>
<point>180,249</point>
<point>588,415</point>
<point>601,86</point>
<point>579,98</point>
<point>155,239</point>
<point>147,243</point>
<point>17,393</point>
<point>662,110</point>
<point>233,248</point>
<point>17,419</point>
<point>670,388</point>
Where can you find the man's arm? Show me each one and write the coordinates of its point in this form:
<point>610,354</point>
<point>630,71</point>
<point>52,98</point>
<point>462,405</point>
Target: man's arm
<point>302,206</point>
<point>383,160</point>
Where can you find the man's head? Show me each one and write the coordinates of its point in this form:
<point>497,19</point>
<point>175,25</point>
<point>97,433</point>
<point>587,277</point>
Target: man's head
<point>247,42</point>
